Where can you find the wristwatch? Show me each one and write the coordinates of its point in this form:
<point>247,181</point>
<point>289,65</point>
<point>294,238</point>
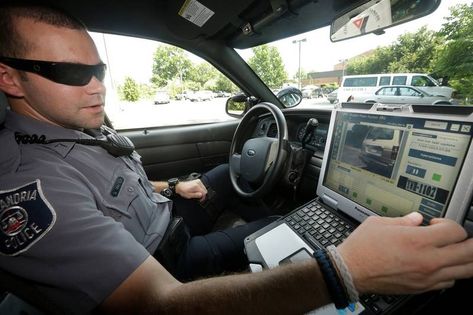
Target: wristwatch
<point>172,183</point>
<point>166,192</point>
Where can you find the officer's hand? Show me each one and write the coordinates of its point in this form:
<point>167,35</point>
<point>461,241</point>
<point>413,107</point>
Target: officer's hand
<point>397,256</point>
<point>193,189</point>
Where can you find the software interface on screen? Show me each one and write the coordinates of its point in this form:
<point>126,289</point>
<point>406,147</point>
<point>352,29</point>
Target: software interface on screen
<point>394,165</point>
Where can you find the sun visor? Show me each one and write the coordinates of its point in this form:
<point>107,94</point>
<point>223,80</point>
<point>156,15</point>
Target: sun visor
<point>191,18</point>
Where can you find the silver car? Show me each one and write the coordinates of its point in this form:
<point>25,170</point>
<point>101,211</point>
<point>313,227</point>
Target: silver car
<point>402,94</point>
<point>332,97</point>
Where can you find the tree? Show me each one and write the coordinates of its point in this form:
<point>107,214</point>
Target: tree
<point>412,52</point>
<point>224,84</point>
<point>415,52</point>
<point>202,72</point>
<point>303,75</point>
<point>455,59</point>
<point>129,91</point>
<point>377,62</point>
<point>268,65</point>
<point>169,62</point>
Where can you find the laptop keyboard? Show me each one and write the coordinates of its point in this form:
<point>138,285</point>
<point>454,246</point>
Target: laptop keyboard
<point>320,227</point>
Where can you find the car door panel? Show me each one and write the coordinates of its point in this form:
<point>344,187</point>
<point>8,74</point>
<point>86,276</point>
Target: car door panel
<point>175,151</point>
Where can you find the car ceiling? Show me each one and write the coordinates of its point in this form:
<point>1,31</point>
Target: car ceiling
<point>159,19</point>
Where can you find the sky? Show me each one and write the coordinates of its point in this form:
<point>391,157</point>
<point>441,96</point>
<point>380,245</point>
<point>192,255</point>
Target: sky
<point>318,53</point>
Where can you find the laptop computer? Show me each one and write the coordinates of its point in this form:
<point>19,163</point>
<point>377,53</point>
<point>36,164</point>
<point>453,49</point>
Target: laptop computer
<point>386,161</point>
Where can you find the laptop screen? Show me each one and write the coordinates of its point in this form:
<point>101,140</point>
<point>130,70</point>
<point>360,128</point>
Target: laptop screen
<point>393,164</point>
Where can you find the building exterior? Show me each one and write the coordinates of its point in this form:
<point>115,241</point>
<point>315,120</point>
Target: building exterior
<point>334,76</point>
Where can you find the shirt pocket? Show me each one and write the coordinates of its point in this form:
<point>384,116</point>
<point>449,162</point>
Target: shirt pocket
<point>123,190</point>
<point>127,201</point>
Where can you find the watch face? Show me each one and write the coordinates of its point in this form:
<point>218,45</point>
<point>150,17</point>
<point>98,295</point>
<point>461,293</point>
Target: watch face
<point>172,182</point>
<point>166,192</point>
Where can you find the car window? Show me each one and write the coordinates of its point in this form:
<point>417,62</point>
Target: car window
<point>380,134</point>
<point>421,80</point>
<point>429,45</point>
<point>180,89</point>
<point>388,91</point>
<point>399,80</point>
<point>405,91</point>
<point>384,80</point>
<point>363,81</point>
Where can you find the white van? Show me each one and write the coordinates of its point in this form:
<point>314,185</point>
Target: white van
<point>369,83</point>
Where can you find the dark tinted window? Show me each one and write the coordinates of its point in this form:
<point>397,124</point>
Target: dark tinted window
<point>421,80</point>
<point>362,81</point>
<point>380,133</point>
<point>384,80</point>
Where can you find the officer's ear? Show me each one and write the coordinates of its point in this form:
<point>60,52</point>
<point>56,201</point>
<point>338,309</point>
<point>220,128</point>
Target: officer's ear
<point>10,81</point>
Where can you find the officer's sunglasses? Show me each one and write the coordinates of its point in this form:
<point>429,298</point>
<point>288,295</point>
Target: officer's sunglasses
<point>67,73</point>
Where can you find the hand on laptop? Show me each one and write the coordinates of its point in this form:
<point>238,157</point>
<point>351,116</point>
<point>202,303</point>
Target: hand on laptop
<point>397,256</point>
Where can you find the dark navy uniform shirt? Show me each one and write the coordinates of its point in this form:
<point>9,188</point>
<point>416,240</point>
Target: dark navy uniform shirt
<point>74,219</point>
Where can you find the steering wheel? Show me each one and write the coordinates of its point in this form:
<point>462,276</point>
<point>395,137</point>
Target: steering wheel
<point>257,161</point>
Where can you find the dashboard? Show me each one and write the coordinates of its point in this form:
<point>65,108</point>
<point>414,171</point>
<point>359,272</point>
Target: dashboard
<point>297,131</point>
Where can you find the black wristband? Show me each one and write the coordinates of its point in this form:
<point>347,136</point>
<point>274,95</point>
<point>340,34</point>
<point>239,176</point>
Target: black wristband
<point>334,286</point>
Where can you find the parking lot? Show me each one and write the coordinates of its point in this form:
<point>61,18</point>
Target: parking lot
<point>125,115</point>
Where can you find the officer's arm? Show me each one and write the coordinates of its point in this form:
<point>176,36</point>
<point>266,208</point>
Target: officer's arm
<point>417,259</point>
<point>295,288</point>
<point>158,186</point>
<point>193,189</point>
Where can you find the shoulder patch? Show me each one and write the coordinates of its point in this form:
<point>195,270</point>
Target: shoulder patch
<point>25,217</point>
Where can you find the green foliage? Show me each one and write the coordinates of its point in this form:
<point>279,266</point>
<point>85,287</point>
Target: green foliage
<point>412,52</point>
<point>129,91</point>
<point>201,73</point>
<point>378,62</point>
<point>303,75</point>
<point>169,63</point>
<point>224,84</point>
<point>455,59</point>
<point>268,65</point>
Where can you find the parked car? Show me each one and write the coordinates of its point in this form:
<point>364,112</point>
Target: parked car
<point>379,149</point>
<point>312,92</point>
<point>401,94</point>
<point>161,97</point>
<point>332,97</point>
<point>369,83</point>
<point>222,94</point>
<point>200,96</point>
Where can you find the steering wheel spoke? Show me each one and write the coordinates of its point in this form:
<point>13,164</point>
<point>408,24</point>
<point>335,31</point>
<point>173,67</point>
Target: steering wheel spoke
<point>235,161</point>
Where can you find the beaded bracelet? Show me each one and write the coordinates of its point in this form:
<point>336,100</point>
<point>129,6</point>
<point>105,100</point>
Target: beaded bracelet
<point>336,290</point>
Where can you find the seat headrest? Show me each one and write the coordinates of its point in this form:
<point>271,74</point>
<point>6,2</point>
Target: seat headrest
<point>3,107</point>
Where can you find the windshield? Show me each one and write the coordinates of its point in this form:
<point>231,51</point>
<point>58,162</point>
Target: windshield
<point>192,91</point>
<point>417,54</point>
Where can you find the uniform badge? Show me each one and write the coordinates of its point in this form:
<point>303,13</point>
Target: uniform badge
<point>25,217</point>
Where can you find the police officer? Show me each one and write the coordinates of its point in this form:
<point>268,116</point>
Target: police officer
<point>81,221</point>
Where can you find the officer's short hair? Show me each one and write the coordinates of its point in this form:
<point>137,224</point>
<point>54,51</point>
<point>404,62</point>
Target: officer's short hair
<point>11,43</point>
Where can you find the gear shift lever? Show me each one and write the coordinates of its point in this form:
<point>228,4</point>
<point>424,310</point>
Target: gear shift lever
<point>310,127</point>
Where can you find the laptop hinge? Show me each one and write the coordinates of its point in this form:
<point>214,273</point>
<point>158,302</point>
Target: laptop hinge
<point>329,201</point>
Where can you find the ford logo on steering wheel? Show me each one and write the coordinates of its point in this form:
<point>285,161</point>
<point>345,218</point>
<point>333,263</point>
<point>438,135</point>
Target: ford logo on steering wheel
<point>251,152</point>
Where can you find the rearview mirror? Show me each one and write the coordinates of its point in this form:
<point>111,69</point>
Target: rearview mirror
<point>375,16</point>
